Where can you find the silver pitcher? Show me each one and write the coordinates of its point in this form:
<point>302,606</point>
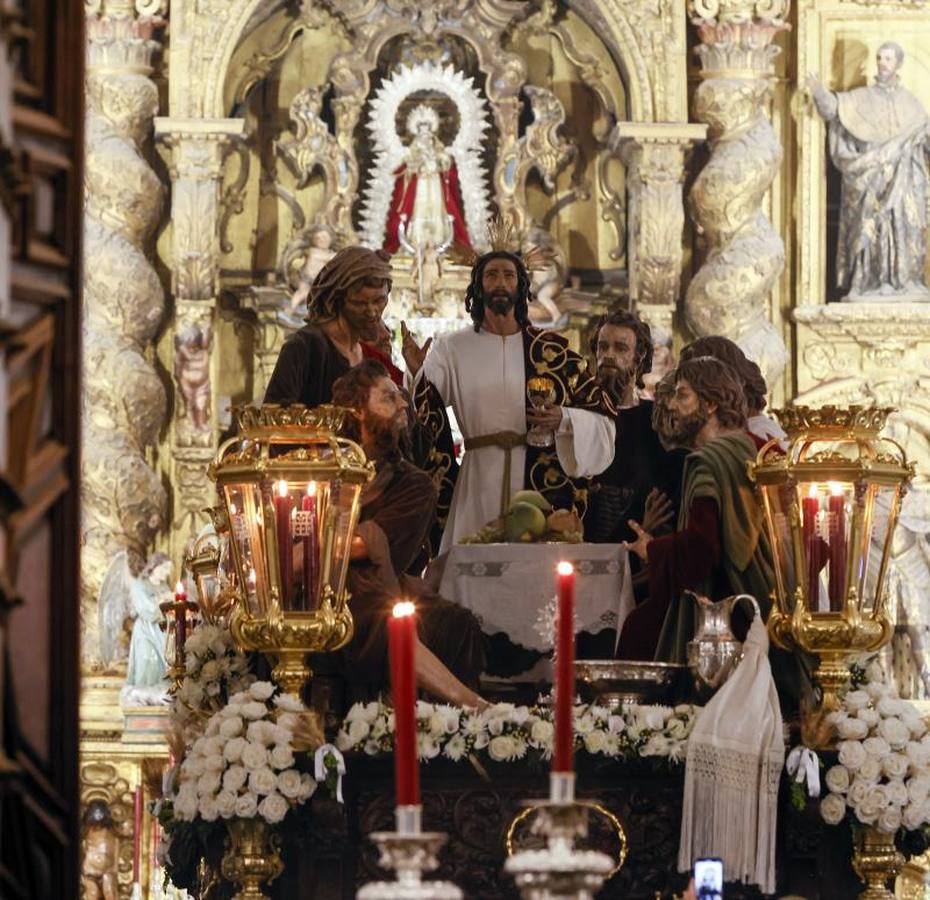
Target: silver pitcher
<point>715,652</point>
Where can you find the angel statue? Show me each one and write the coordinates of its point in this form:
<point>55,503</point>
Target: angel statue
<point>426,206</point>
<point>122,597</point>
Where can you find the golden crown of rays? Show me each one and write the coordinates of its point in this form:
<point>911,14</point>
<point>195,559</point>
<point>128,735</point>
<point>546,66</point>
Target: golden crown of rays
<point>503,236</point>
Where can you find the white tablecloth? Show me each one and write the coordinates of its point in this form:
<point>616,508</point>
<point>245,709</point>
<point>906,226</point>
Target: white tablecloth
<point>507,586</point>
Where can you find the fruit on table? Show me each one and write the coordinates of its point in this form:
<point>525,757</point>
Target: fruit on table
<point>564,521</point>
<point>532,497</point>
<point>524,522</point>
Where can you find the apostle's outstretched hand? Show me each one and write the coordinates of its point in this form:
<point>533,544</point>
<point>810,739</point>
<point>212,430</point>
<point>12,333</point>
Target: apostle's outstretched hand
<point>658,512</point>
<point>641,543</point>
<point>412,352</point>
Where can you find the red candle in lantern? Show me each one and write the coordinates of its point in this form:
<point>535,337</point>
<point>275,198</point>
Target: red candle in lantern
<point>402,642</point>
<point>837,510</point>
<point>137,834</point>
<point>810,506</point>
<point>565,669</point>
<point>180,620</point>
<point>283,507</point>
<point>311,547</point>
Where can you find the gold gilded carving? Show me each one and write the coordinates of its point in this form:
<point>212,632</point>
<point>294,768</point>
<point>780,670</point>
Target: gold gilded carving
<point>124,404</point>
<point>729,295</point>
<point>655,157</point>
<point>106,832</point>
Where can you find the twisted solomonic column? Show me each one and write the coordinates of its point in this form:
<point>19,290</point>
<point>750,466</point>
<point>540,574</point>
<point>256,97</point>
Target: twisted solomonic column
<point>124,407</point>
<point>729,295</point>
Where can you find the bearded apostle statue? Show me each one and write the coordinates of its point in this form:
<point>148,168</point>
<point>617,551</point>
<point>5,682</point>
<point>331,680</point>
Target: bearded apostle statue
<point>879,139</point>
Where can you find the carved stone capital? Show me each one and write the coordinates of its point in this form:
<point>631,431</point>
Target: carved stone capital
<point>197,146</point>
<point>120,43</point>
<point>737,35</point>
<point>655,156</point>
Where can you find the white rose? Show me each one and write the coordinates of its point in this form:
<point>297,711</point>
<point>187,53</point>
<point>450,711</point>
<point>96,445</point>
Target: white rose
<point>495,725</point>
<point>891,707</point>
<point>254,710</point>
<point>208,783</point>
<point>232,752</point>
<point>912,816</point>
<point>851,729</point>
<point>307,787</point>
<point>585,725</point>
<point>214,763</point>
<point>876,746</point>
<point>358,730</point>
<point>262,781</point>
<point>677,729</point>
<point>273,808</point>
<point>837,779</point>
<point>289,784</point>
<point>869,716</point>
<point>657,745</point>
<point>852,754</point>
<point>424,709</point>
<point>615,724</point>
<point>896,793</point>
<point>427,746</point>
<point>185,808</point>
<point>918,754</point>
<point>254,756</point>
<point>874,804</point>
<point>226,804</point>
<point>858,791</point>
<point>278,734</point>
<point>889,821</point>
<point>895,732</point>
<point>502,748</point>
<point>541,734</point>
<point>288,722</point>
<point>915,724</point>
<point>208,810</point>
<point>894,765</point>
<point>832,809</point>
<point>230,728</point>
<point>455,748</point>
<point>234,778</point>
<point>289,703</point>
<point>651,717</point>
<point>918,788</point>
<point>281,756</point>
<point>870,770</point>
<point>856,700</point>
<point>246,805</point>
<point>874,672</point>
<point>595,742</point>
<point>261,690</point>
<point>367,711</point>
<point>876,690</point>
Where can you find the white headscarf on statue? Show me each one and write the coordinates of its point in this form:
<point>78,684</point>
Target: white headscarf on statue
<point>734,761</point>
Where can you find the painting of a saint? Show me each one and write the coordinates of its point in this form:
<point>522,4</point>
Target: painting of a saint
<point>426,205</point>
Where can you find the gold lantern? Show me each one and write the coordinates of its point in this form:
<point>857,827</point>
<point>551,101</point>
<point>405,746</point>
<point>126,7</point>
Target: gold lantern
<point>291,487</point>
<point>831,501</point>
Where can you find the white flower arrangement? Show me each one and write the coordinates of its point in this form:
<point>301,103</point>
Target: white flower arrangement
<point>215,669</point>
<point>242,766</point>
<point>882,774</point>
<point>504,732</point>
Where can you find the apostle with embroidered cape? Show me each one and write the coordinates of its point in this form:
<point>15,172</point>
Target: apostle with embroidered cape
<point>482,373</point>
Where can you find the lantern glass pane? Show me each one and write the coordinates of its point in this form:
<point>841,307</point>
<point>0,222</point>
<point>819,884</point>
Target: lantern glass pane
<point>246,525</point>
<point>343,514</point>
<point>878,503</point>
<point>779,499</point>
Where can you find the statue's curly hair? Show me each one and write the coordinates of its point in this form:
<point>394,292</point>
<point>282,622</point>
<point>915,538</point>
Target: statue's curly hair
<point>715,382</point>
<point>474,295</point>
<point>749,374</point>
<point>625,318</point>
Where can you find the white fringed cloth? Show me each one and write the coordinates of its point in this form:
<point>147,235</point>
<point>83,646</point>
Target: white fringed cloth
<point>735,757</point>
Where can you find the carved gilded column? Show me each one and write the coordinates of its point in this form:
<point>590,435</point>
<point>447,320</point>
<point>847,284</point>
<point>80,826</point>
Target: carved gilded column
<point>122,498</point>
<point>730,293</point>
<point>197,148</point>
<point>655,156</point>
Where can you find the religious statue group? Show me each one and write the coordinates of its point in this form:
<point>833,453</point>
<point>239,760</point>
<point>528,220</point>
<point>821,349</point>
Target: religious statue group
<point>664,477</point>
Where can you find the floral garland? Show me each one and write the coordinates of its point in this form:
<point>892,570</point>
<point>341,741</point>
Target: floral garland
<point>504,732</point>
<point>880,775</point>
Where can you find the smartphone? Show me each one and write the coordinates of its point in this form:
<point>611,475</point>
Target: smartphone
<point>708,879</point>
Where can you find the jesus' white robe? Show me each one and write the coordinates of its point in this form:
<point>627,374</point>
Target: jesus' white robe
<point>482,377</point>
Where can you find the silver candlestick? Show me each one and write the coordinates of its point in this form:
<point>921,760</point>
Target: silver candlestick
<point>560,870</point>
<point>409,852</point>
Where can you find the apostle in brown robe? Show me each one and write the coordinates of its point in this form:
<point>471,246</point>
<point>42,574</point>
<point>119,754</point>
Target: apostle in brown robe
<point>397,511</point>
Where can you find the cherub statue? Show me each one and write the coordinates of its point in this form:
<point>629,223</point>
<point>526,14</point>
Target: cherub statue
<point>549,275</point>
<point>100,839</point>
<point>319,252</point>
<point>123,597</point>
<point>192,371</point>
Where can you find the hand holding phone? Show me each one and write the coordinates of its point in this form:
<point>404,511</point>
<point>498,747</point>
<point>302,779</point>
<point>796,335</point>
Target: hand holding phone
<point>708,879</point>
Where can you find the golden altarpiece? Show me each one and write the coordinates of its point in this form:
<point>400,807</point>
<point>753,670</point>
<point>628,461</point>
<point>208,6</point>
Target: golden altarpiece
<point>667,153</point>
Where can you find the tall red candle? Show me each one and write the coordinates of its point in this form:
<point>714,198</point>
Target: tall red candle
<point>810,506</point>
<point>311,547</point>
<point>180,621</point>
<point>402,643</point>
<point>565,669</point>
<point>137,834</point>
<point>283,506</point>
<point>837,512</point>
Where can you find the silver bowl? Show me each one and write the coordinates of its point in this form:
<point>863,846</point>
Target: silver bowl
<point>615,682</point>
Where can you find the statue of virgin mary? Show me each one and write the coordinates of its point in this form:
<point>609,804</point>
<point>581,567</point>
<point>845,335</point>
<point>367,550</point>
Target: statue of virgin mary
<point>426,204</point>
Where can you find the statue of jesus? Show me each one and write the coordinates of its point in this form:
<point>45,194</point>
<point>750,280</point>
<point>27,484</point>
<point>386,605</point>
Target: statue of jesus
<point>880,142</point>
<point>426,206</point>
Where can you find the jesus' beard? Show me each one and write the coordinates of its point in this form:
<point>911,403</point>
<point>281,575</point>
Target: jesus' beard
<point>500,302</point>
